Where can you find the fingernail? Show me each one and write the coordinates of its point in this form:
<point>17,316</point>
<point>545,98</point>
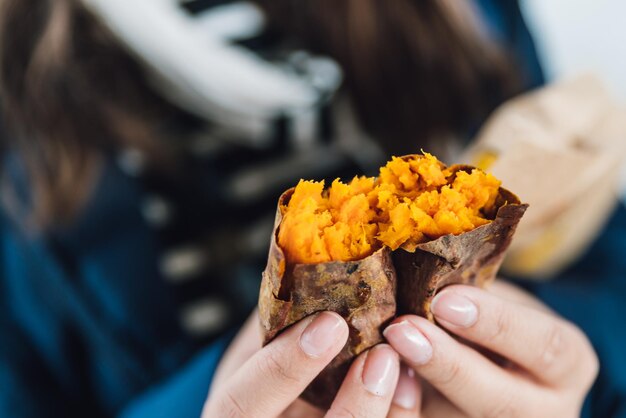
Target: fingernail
<point>407,390</point>
<point>407,340</point>
<point>455,309</point>
<point>380,371</point>
<point>321,334</point>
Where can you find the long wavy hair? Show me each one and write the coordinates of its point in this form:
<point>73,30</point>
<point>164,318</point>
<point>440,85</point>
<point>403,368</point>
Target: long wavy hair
<point>70,93</point>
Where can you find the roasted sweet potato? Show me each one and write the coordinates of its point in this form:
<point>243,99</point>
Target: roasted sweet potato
<point>376,248</point>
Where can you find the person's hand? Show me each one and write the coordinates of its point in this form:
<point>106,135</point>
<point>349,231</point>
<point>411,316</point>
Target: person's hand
<point>525,361</point>
<point>255,382</point>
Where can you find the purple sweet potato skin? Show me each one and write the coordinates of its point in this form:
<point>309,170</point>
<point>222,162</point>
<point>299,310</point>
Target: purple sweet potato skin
<point>369,293</point>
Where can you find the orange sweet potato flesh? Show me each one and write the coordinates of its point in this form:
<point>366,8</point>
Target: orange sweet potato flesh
<point>414,199</point>
<point>376,248</point>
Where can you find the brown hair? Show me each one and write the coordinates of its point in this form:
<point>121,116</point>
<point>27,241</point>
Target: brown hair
<point>69,94</point>
<point>414,69</point>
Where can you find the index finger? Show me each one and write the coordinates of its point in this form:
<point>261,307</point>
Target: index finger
<point>270,380</point>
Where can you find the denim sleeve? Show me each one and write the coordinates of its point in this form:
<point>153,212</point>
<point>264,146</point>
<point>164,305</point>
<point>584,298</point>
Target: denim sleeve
<point>183,394</point>
<point>27,388</point>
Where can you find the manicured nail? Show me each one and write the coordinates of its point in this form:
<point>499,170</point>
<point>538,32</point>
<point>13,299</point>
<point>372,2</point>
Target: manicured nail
<point>455,309</point>
<point>407,390</point>
<point>321,334</point>
<point>409,341</point>
<point>380,371</point>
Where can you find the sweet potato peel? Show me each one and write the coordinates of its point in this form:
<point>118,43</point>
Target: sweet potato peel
<point>472,258</point>
<point>362,292</point>
<point>368,293</point>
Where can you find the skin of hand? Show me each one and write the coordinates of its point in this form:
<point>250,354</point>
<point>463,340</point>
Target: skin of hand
<point>504,355</point>
<point>493,353</point>
<point>255,382</point>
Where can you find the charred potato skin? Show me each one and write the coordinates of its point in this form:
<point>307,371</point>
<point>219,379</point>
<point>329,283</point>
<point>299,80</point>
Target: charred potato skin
<point>370,292</point>
<point>362,292</point>
<point>471,258</point>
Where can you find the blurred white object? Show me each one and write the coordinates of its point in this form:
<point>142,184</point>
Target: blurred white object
<point>197,67</point>
<point>232,21</point>
<point>575,36</point>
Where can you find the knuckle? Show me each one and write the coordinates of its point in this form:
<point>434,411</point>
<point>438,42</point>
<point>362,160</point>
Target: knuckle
<point>566,352</point>
<point>551,349</point>
<point>277,367</point>
<point>452,374</point>
<point>502,325</point>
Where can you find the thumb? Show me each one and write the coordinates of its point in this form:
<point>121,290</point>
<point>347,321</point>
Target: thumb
<point>274,377</point>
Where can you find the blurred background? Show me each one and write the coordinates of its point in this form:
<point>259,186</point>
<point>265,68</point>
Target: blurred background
<point>581,36</point>
<point>576,36</point>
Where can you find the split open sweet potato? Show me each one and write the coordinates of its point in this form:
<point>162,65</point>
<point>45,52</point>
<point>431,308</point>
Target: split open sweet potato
<point>375,248</point>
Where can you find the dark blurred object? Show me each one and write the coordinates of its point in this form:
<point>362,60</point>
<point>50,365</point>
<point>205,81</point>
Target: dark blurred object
<point>410,89</point>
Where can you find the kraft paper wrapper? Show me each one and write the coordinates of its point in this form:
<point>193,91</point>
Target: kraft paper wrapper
<point>370,292</point>
<point>562,147</point>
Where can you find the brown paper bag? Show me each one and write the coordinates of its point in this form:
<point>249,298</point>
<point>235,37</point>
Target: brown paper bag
<point>561,149</point>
